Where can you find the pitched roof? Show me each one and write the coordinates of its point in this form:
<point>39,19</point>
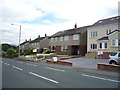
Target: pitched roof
<point>37,39</point>
<point>107,21</point>
<point>70,31</point>
<point>24,42</point>
<point>104,38</point>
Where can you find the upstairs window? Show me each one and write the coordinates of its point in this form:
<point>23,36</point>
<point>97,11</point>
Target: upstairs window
<point>66,38</point>
<point>52,39</point>
<point>94,34</point>
<point>61,38</point>
<point>56,39</point>
<point>108,31</point>
<point>76,37</point>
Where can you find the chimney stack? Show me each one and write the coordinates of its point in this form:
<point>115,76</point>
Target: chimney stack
<point>45,35</point>
<point>30,39</point>
<point>75,25</point>
<point>38,36</point>
<point>25,40</point>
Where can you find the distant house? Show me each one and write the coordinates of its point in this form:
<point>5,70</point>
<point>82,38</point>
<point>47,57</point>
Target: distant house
<point>38,43</point>
<point>103,37</point>
<point>72,41</point>
<point>24,46</point>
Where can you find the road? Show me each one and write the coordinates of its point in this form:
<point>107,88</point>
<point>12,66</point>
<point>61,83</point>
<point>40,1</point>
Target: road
<point>22,74</point>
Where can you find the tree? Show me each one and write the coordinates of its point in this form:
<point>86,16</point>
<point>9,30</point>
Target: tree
<point>5,47</point>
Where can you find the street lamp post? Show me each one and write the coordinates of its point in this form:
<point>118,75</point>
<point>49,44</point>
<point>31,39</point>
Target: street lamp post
<point>19,38</point>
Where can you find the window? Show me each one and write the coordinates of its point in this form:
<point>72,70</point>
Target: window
<point>116,42</point>
<point>53,48</point>
<point>93,46</point>
<point>76,37</point>
<point>103,46</point>
<point>100,45</point>
<point>108,31</point>
<point>64,48</point>
<point>52,39</point>
<point>119,55</point>
<point>55,39</point>
<point>66,38</point>
<point>61,38</point>
<point>94,34</point>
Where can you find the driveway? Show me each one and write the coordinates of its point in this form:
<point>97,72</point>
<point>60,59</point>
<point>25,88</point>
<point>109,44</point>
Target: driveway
<point>86,63</point>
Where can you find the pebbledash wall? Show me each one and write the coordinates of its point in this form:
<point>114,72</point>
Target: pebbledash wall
<point>105,31</point>
<point>76,42</point>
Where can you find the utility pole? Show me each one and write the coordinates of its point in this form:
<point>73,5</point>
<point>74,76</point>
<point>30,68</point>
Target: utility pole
<point>19,37</point>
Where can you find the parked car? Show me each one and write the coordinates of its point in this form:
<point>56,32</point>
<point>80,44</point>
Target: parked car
<point>114,58</point>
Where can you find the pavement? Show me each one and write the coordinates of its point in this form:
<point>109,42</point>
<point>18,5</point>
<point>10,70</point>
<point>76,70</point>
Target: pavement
<point>86,63</point>
<point>25,74</point>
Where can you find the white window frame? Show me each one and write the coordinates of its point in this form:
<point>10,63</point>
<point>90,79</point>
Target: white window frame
<point>76,37</point>
<point>103,45</point>
<point>93,34</point>
<point>116,42</point>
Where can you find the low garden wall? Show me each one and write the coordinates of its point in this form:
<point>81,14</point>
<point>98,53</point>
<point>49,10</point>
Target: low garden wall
<point>103,66</point>
<point>59,62</point>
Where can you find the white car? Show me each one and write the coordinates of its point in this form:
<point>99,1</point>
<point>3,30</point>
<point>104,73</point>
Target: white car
<point>114,58</point>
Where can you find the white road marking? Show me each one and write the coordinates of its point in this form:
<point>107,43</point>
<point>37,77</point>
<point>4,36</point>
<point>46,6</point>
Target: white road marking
<point>55,69</point>
<point>43,77</point>
<point>31,64</point>
<point>100,78</point>
<point>7,64</point>
<point>19,62</point>
<point>17,68</point>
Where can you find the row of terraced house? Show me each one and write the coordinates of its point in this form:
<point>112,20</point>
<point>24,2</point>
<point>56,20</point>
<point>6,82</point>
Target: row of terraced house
<point>93,41</point>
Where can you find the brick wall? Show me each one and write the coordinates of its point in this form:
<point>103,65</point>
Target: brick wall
<point>108,67</point>
<point>105,55</point>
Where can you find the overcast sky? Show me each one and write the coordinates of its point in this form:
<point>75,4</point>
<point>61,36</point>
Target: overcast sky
<point>39,17</point>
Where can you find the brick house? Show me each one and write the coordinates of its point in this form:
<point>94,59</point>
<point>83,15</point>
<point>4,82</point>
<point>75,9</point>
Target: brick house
<point>103,37</point>
<point>72,41</point>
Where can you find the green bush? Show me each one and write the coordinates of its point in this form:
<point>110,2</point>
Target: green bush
<point>11,52</point>
<point>29,51</point>
<point>48,51</point>
<point>4,54</point>
<point>62,53</point>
